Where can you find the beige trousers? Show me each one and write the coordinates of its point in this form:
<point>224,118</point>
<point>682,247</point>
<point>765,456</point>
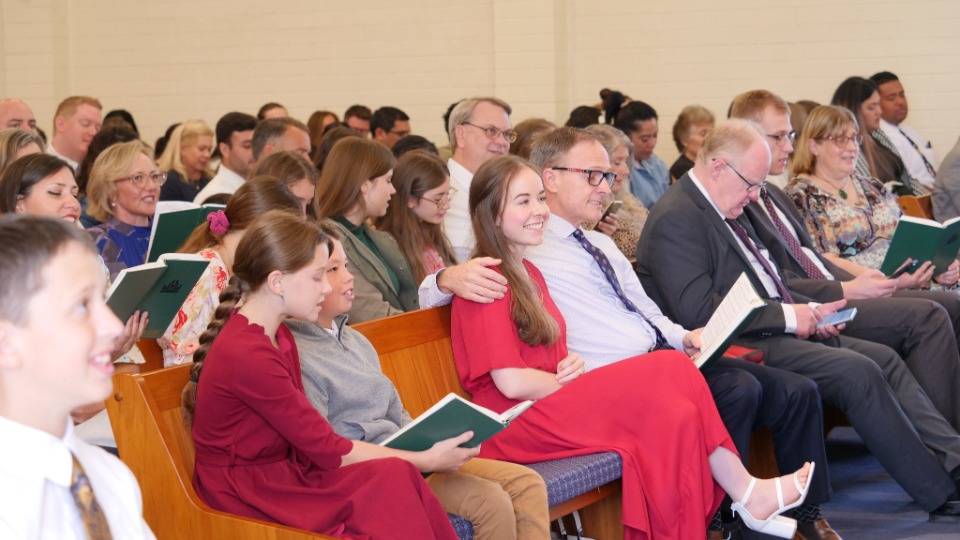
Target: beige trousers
<point>503,500</point>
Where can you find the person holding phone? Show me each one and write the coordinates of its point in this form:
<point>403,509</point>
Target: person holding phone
<point>622,222</point>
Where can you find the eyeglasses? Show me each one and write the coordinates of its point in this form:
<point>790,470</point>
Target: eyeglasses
<point>594,177</point>
<point>842,140</point>
<point>140,179</point>
<point>782,138</point>
<point>751,186</point>
<point>444,199</point>
<point>494,132</point>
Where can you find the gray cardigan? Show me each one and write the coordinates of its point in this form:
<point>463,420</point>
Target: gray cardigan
<point>343,380</point>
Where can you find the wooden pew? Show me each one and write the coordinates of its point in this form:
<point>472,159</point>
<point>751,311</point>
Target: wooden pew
<point>916,206</point>
<point>415,353</point>
<point>158,448</point>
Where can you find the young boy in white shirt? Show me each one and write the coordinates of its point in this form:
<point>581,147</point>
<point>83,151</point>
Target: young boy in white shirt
<point>56,336</point>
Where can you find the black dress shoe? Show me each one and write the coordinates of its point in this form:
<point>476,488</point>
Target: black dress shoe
<point>948,512</point>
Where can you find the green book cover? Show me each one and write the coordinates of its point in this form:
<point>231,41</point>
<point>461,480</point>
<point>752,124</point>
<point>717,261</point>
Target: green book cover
<point>923,240</point>
<point>172,225</point>
<point>159,288</point>
<point>450,417</point>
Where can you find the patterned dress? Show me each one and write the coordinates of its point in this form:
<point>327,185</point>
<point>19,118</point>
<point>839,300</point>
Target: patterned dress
<point>859,232</point>
<point>182,338</point>
<point>120,245</point>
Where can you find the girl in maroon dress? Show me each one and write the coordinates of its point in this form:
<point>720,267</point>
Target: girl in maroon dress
<point>655,411</point>
<point>262,450</point>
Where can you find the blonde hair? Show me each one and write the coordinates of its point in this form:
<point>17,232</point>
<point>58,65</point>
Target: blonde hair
<point>185,134</point>
<point>824,121</point>
<point>113,164</point>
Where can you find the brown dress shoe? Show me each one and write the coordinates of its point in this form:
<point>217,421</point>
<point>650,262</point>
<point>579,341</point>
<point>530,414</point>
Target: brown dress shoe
<point>716,535</point>
<point>819,529</point>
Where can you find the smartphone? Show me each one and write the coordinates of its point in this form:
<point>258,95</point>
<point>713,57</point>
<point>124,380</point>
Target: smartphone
<point>908,266</point>
<point>839,317</point>
<point>612,209</point>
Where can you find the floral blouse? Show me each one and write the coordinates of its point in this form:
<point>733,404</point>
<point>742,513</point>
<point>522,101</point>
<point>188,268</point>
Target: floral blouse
<point>632,215</point>
<point>858,232</point>
<point>182,338</point>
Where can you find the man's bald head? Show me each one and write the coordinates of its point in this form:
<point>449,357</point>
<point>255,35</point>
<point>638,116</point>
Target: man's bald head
<point>16,114</point>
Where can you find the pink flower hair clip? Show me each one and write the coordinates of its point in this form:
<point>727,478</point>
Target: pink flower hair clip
<point>219,224</point>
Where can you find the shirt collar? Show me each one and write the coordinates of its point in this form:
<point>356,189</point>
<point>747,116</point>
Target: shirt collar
<point>459,174</point>
<point>35,452</point>
<point>559,226</point>
<point>696,182</point>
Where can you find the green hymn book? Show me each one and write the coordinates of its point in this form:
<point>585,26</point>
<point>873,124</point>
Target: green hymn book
<point>172,224</point>
<point>450,417</point>
<point>923,240</point>
<point>735,312</point>
<point>159,288</point>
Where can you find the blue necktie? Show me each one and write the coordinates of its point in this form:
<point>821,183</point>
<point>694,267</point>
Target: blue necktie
<point>611,276</point>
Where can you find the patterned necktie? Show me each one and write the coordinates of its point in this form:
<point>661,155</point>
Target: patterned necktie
<point>930,169</point>
<point>94,521</point>
<point>811,269</point>
<point>767,267</point>
<point>611,276</point>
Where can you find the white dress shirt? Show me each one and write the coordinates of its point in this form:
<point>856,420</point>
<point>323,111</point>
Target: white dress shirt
<point>225,181</point>
<point>912,159</point>
<point>599,326</point>
<point>53,152</point>
<point>35,475</point>
<point>789,315</point>
<point>456,223</point>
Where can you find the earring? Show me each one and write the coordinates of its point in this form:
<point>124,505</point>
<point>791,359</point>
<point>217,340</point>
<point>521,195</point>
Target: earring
<point>281,299</point>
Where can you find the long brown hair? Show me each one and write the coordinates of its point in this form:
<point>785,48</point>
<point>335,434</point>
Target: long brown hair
<point>352,162</point>
<point>488,191</point>
<point>255,197</point>
<point>417,172</point>
<point>278,240</point>
<point>289,168</point>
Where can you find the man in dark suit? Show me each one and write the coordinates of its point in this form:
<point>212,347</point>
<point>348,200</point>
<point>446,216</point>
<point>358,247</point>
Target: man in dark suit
<point>920,325</point>
<point>695,245</point>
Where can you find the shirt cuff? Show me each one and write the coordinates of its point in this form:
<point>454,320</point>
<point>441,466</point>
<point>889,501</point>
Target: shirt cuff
<point>430,294</point>
<point>789,319</point>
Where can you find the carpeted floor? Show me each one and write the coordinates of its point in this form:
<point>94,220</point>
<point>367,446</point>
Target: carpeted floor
<point>867,503</point>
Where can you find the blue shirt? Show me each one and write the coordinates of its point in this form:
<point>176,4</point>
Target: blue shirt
<point>649,179</point>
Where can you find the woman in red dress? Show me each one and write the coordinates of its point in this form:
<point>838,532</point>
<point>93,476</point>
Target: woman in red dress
<point>262,450</point>
<point>656,411</point>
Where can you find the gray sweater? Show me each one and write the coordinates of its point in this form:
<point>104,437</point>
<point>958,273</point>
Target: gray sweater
<point>343,380</point>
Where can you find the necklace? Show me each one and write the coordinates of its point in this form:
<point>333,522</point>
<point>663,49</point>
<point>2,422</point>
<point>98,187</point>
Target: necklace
<point>840,191</point>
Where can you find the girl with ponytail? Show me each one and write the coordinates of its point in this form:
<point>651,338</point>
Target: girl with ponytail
<point>262,450</point>
<point>217,239</point>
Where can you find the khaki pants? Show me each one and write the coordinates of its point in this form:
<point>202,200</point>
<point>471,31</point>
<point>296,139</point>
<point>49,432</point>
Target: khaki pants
<point>503,500</point>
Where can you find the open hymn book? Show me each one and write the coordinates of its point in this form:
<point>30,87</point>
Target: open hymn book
<point>735,312</point>
<point>453,416</point>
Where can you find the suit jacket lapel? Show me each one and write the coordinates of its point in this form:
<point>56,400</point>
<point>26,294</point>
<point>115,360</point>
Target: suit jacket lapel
<point>724,230</point>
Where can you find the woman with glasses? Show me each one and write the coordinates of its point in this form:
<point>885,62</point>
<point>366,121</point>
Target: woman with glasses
<point>123,190</point>
<point>355,188</point>
<point>878,157</point>
<point>415,220</point>
<point>851,217</point>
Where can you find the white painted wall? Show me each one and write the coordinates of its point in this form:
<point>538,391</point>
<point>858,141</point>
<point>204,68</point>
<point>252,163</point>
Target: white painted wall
<point>169,60</point>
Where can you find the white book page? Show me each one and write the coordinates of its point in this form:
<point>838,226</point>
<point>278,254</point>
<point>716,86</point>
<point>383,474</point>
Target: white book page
<point>740,300</point>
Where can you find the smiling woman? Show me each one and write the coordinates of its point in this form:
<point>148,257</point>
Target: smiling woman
<point>40,185</point>
<point>123,191</point>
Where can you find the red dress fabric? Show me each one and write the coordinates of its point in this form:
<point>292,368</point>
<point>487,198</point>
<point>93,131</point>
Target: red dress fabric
<point>264,452</point>
<point>654,410</point>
